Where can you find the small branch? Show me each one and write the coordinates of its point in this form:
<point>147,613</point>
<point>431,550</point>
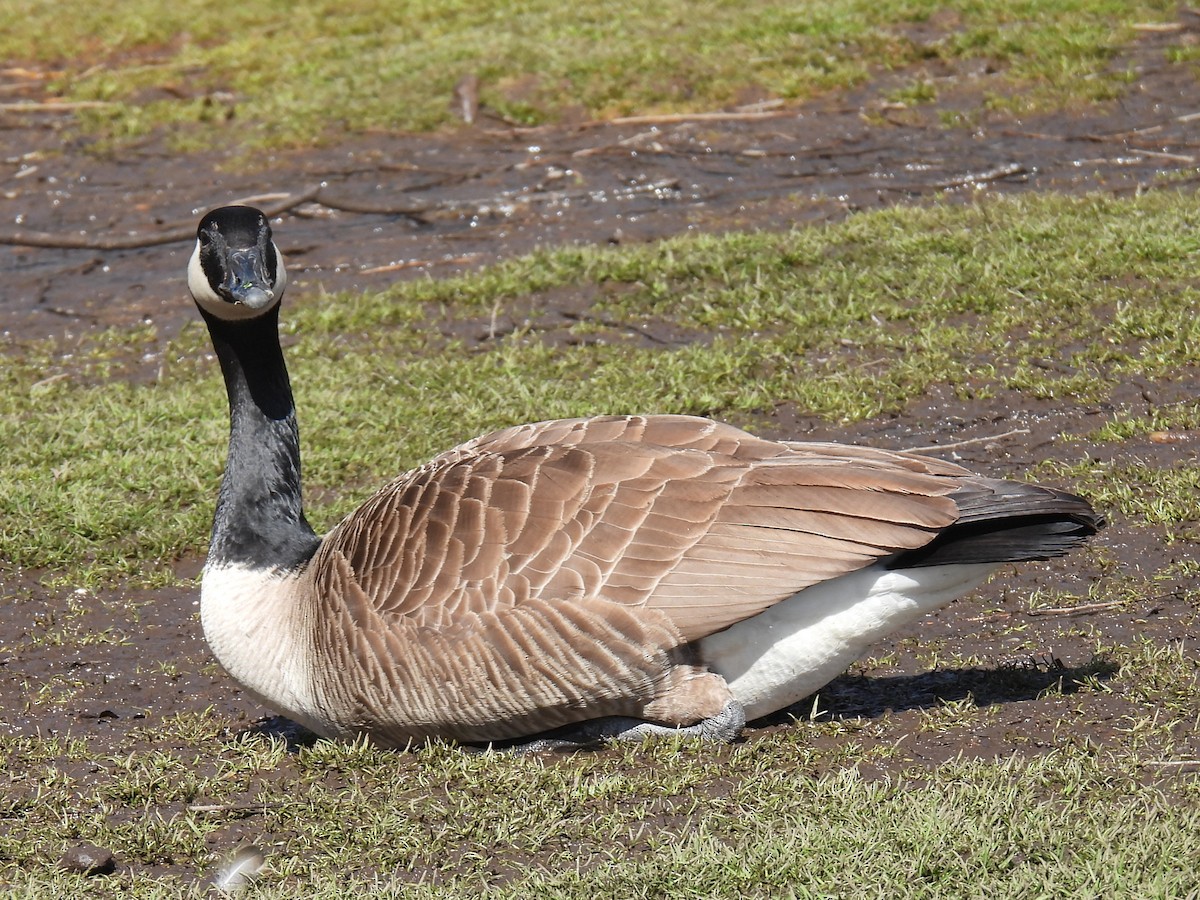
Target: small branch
<point>1172,437</point>
<point>968,442</point>
<point>233,807</point>
<point>1062,611</point>
<point>413,212</point>
<point>169,235</point>
<point>1174,157</point>
<point>1172,763</point>
<point>617,326</point>
<point>995,174</point>
<point>678,118</point>
<point>624,142</point>
<point>1158,27</point>
<point>53,107</point>
<point>419,263</point>
<point>992,617</point>
<point>1077,610</point>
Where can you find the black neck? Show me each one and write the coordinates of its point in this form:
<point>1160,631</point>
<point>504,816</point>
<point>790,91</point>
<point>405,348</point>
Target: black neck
<point>260,517</point>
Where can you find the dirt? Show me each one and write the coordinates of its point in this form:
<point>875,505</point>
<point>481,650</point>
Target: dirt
<point>483,193</point>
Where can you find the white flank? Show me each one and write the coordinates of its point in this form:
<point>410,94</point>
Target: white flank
<point>794,648</point>
<point>251,622</point>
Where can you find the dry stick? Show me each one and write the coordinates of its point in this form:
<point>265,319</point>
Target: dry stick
<point>53,107</point>
<point>233,807</point>
<point>968,442</point>
<point>1172,763</point>
<point>1176,157</point>
<point>1063,611</point>
<point>624,142</point>
<point>132,242</point>
<point>616,326</point>
<point>1073,610</point>
<point>1134,148</point>
<point>371,210</point>
<point>673,119</point>
<point>995,174</point>
<point>415,263</point>
<point>1102,138</point>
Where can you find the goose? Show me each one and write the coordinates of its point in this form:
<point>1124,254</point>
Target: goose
<point>570,582</point>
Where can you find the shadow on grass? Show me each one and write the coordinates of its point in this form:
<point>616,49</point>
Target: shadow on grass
<point>291,733</point>
<point>871,696</point>
<point>862,696</point>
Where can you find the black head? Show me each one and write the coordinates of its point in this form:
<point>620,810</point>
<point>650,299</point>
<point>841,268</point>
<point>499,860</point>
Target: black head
<point>236,271</point>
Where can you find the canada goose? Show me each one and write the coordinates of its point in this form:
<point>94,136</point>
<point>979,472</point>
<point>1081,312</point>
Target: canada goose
<point>575,580</point>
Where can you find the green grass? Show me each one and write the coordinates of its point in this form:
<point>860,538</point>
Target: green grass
<point>107,478</point>
<point>110,476</point>
<point>1086,785</point>
<point>657,821</point>
<point>271,73</point>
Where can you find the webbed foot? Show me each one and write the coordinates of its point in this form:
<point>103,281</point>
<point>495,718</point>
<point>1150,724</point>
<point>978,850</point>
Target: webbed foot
<point>724,727</point>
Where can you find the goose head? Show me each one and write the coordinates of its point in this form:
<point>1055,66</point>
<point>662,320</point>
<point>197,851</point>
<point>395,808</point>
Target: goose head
<point>236,272</point>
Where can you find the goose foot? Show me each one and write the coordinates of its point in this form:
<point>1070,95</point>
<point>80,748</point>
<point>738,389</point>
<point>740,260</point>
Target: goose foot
<point>724,727</point>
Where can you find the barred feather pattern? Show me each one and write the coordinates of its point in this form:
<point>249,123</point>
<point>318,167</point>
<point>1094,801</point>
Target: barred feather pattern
<point>561,571</point>
<point>663,571</point>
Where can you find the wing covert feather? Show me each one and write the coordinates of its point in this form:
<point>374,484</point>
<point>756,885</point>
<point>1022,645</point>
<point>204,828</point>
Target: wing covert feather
<point>701,521</point>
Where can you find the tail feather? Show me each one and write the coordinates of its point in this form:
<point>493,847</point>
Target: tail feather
<point>1007,521</point>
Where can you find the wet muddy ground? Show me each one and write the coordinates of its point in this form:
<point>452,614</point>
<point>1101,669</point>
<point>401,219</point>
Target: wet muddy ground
<point>379,208</point>
<point>390,207</point>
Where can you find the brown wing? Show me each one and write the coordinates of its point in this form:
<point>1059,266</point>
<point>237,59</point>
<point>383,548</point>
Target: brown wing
<point>678,432</point>
<point>699,521</point>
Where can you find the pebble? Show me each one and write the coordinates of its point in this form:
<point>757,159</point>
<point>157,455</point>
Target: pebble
<point>87,859</point>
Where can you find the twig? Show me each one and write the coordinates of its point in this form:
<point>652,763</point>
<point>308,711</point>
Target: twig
<point>992,617</point>
<point>260,199</point>
<point>968,442</point>
<point>761,106</point>
<point>624,142</point>
<point>1173,437</point>
<point>419,263</point>
<point>1175,157</point>
<point>995,174</point>
<point>134,241</point>
<point>233,807</point>
<point>616,326</point>
<point>1063,611</point>
<point>53,107</point>
<point>1097,138</point>
<point>413,212</point>
<point>1077,610</point>
<point>1172,763</point>
<point>676,118</point>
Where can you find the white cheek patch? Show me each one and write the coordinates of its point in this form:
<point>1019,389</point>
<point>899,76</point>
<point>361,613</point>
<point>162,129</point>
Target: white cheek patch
<point>211,302</point>
<point>280,274</point>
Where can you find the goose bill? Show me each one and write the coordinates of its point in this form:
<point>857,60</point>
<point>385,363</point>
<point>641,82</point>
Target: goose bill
<point>248,284</point>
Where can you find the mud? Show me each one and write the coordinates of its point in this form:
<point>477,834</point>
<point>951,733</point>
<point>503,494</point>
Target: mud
<point>395,207</point>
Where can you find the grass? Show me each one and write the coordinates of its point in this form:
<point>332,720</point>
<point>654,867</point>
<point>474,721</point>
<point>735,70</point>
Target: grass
<point>110,478</point>
<point>659,821</point>
<point>986,776</point>
<point>856,320</point>
<point>269,74</point>
<point>853,321</point>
